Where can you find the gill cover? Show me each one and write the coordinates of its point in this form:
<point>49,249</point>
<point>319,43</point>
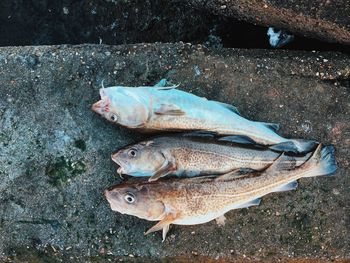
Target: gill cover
<point>129,104</point>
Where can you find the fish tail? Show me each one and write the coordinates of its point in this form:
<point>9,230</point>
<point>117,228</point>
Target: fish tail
<point>295,146</point>
<point>322,162</point>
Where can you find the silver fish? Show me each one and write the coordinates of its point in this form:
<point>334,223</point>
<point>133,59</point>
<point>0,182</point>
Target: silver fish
<point>188,155</point>
<point>199,200</point>
<point>170,109</point>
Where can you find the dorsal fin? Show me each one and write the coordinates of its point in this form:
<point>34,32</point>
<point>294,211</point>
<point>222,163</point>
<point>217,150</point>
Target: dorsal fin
<point>282,163</point>
<point>228,106</point>
<point>161,85</point>
<point>272,126</point>
<point>166,88</point>
<point>241,139</point>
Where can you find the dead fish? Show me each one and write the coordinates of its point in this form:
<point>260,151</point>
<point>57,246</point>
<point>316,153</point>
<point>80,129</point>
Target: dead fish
<point>170,109</point>
<point>199,200</point>
<point>190,155</point>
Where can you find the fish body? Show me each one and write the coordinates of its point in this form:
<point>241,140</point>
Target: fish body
<point>188,156</point>
<point>201,199</point>
<point>169,109</point>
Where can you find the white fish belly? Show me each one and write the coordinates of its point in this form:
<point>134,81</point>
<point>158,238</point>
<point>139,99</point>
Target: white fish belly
<point>201,219</point>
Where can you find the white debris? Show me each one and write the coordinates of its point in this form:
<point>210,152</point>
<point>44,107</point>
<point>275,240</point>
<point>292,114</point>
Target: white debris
<point>65,10</point>
<point>278,38</point>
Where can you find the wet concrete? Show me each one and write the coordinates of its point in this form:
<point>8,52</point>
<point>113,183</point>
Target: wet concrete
<point>55,152</point>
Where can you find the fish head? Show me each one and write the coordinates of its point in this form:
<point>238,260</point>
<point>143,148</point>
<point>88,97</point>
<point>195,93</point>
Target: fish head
<point>141,159</point>
<point>135,200</point>
<point>122,105</point>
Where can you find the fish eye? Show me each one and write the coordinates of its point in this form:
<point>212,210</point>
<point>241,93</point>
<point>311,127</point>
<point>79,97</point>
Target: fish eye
<point>113,117</point>
<point>129,198</point>
<point>132,153</point>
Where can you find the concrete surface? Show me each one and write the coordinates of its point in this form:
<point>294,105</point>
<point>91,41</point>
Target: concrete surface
<point>55,153</point>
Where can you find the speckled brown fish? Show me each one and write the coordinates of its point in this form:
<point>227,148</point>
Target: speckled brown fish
<point>155,109</point>
<point>199,200</point>
<point>189,156</point>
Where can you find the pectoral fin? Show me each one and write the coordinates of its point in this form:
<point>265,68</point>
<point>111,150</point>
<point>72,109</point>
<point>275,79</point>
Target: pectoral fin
<point>165,231</point>
<point>166,169</point>
<point>164,225</point>
<point>228,106</point>
<point>168,109</point>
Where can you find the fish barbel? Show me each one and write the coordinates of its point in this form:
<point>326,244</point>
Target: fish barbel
<point>199,200</point>
<point>189,155</point>
<point>155,109</point>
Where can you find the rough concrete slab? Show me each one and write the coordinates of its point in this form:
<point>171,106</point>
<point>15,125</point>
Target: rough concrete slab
<point>326,20</point>
<point>55,152</point>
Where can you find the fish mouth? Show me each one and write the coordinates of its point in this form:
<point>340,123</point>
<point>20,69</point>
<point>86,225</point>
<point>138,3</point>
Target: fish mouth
<point>97,107</point>
<point>121,169</point>
<point>101,106</point>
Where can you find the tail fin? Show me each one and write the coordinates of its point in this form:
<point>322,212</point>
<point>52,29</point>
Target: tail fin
<point>323,162</point>
<point>295,146</point>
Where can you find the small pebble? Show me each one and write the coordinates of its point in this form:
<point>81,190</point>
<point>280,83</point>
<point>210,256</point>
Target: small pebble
<point>335,191</point>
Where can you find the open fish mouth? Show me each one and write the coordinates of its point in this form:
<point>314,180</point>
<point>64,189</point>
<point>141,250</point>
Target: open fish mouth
<point>97,107</point>
<point>121,169</point>
<point>101,106</point>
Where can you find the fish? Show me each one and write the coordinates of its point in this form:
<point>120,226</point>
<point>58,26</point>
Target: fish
<point>189,155</point>
<point>159,109</point>
<point>197,200</point>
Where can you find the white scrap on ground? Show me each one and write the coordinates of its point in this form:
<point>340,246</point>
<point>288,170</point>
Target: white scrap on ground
<point>278,38</point>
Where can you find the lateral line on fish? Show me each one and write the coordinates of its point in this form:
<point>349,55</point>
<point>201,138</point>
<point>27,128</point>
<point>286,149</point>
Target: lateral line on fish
<point>227,157</point>
<point>273,185</point>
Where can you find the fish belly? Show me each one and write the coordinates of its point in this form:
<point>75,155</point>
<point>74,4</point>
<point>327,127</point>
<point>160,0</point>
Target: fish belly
<point>201,219</point>
<point>206,217</point>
